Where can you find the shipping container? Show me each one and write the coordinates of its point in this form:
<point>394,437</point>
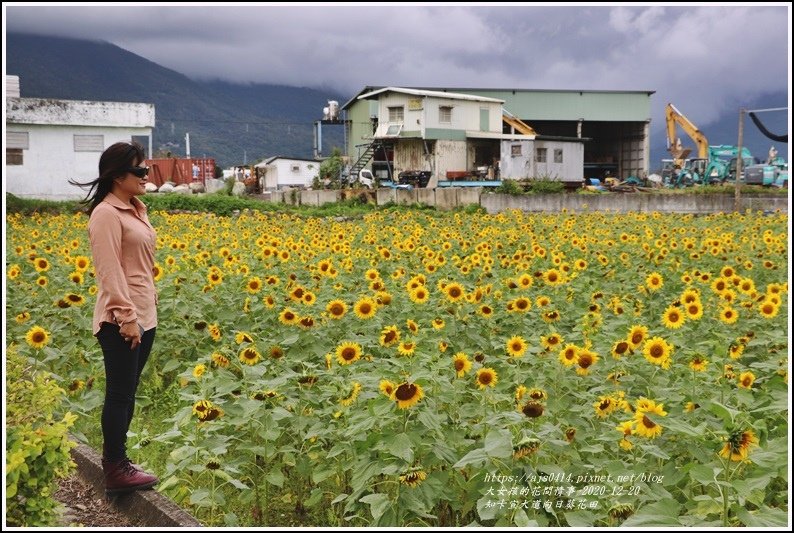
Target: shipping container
<point>179,171</point>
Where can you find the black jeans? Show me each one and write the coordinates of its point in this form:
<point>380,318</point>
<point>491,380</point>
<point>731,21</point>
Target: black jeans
<point>123,369</point>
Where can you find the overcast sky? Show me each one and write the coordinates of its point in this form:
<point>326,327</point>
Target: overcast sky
<point>705,59</point>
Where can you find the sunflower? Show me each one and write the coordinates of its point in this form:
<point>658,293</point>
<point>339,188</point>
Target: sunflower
<point>736,350</point>
<point>254,285</point>
<point>411,325</point>
<point>76,278</point>
<point>81,263</point>
<point>485,311</point>
<point>355,389</point>
<point>308,298</point>
<point>537,394</point>
<point>486,377</point>
<point>41,264</point>
<point>42,281</point>
<point>626,428</point>
<point>604,406</point>
<point>691,406</point>
<point>22,317</point>
<point>387,388</point>
<point>365,308</point>
<point>288,316</point>
<point>214,277</point>
<point>336,309</point>
<point>516,346</point>
<point>249,355</point>
<point>746,380</point>
<point>348,352</point>
<point>408,394</point>
<point>199,370</point>
<point>525,448</point>
<point>654,281</point>
<point>542,301</point>
<point>419,295</point>
<point>728,315</point>
<point>553,277</point>
<point>454,292</point>
<point>551,316</point>
<point>276,352</point>
<point>585,360</point>
<point>389,336</point>
<point>522,304</point>
<point>219,360</point>
<point>738,446</point>
<point>413,477</point>
<point>438,323</point>
<point>658,351</point>
<point>569,354</point>
<point>673,318</point>
<point>269,301</point>
<point>37,337</point>
<point>74,299</point>
<point>442,346</point>
<point>551,341</point>
<point>694,310</point>
<point>620,348</point>
<point>532,409</point>
<point>768,309</point>
<point>645,427</point>
<point>407,348</point>
<point>461,363</point>
<point>242,337</point>
<point>698,363</point>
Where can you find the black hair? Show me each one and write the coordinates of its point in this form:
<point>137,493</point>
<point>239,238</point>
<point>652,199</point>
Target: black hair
<point>113,163</point>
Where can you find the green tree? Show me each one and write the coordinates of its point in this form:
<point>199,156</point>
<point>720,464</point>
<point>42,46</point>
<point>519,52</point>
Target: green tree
<point>330,170</point>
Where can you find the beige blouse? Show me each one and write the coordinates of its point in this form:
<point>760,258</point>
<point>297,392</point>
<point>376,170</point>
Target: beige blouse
<point>123,244</point>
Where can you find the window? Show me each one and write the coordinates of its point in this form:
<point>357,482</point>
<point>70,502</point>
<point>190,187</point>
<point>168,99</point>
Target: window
<point>396,114</point>
<point>394,130</point>
<point>295,168</point>
<point>89,143</point>
<point>445,114</point>
<point>558,155</point>
<point>16,141</point>
<point>13,156</point>
<point>540,155</point>
<point>515,150</point>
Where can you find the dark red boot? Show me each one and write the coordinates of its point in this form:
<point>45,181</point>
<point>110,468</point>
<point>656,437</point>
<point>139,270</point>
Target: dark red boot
<point>122,476</point>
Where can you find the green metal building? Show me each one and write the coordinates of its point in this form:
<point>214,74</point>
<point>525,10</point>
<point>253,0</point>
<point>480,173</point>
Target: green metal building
<point>613,126</point>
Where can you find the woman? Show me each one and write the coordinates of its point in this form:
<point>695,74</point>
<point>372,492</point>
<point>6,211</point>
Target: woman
<point>125,315</point>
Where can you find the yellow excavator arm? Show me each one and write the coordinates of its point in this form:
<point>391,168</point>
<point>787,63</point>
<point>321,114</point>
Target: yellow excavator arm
<point>517,124</point>
<point>673,117</point>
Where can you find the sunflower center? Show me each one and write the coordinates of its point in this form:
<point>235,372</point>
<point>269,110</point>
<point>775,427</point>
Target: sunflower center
<point>636,338</point>
<point>516,346</point>
<point>38,336</point>
<point>647,422</point>
<point>605,404</point>
<point>532,410</point>
<point>406,391</point>
<point>674,317</point>
<point>348,353</point>
<point>389,337</point>
<point>459,363</point>
<point>365,308</point>
<point>656,351</point>
<point>289,316</point>
<point>454,292</point>
<point>585,360</point>
<point>522,304</point>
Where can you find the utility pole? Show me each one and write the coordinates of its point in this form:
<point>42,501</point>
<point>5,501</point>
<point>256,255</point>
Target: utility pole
<point>739,162</point>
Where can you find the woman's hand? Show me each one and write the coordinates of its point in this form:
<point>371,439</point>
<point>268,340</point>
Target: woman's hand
<point>131,332</point>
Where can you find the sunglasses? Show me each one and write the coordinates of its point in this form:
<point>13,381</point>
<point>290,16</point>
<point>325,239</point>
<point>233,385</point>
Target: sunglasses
<point>140,172</point>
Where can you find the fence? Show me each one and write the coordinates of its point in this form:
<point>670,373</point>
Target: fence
<point>180,171</point>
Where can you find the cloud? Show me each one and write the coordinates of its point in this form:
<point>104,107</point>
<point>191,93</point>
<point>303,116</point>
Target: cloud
<point>705,59</point>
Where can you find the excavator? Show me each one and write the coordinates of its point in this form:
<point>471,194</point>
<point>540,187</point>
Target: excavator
<point>712,162</point>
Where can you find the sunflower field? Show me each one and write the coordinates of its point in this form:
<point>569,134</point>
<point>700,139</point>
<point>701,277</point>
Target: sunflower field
<point>418,368</point>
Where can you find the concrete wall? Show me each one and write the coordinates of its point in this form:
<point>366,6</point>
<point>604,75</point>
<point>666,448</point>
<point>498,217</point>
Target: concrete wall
<point>624,203</point>
<point>448,198</point>
<point>516,166</point>
<point>571,168</point>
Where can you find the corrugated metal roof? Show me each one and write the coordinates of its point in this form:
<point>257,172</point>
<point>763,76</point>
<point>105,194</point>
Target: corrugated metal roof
<point>436,94</point>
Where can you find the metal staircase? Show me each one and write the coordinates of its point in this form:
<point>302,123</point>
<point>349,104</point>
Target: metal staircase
<point>367,155</point>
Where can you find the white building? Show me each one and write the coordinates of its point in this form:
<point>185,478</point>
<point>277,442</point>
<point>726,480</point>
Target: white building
<point>280,172</point>
<point>50,141</point>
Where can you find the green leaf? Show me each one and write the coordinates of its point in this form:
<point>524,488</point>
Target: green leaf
<point>400,445</point>
<point>661,513</point>
<point>320,475</point>
<point>276,477</point>
<point>726,414</point>
<point>764,517</point>
<point>339,498</point>
<point>522,520</point>
<point>579,519</point>
<point>702,474</point>
<point>485,511</point>
<point>679,426</point>
<point>172,364</point>
<point>499,444</point>
<point>378,503</point>
<point>200,497</point>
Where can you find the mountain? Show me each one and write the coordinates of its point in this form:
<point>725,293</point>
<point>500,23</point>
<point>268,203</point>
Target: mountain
<point>230,122</point>
<point>725,130</point>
